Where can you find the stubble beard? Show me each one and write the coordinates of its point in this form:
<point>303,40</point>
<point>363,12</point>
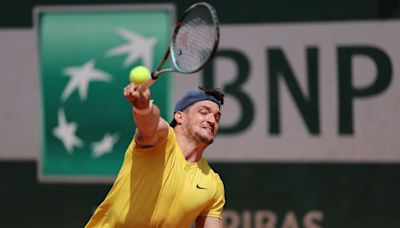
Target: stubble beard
<point>205,139</point>
<point>197,136</point>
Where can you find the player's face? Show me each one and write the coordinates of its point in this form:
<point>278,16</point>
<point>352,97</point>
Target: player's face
<point>202,121</point>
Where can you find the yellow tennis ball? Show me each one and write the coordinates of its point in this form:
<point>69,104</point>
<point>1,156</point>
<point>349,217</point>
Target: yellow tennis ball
<point>139,75</point>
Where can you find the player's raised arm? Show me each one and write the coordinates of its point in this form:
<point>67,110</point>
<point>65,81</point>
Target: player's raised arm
<point>151,128</point>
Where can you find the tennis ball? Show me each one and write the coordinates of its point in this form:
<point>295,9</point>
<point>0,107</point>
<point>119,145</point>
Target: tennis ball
<point>139,75</point>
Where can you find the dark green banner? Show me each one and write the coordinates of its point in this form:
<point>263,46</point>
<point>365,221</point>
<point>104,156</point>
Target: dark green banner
<point>257,195</point>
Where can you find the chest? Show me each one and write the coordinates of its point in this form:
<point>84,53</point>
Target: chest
<point>189,189</point>
<point>172,193</point>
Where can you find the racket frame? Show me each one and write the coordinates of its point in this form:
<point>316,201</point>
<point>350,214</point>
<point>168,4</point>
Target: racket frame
<point>170,51</point>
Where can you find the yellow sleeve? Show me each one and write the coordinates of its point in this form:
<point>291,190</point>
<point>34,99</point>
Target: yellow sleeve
<point>217,205</point>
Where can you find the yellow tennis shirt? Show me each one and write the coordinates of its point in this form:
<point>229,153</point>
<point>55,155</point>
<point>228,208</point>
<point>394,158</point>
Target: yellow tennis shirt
<point>157,187</point>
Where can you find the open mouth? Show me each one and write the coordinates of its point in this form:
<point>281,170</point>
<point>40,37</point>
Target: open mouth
<point>210,129</point>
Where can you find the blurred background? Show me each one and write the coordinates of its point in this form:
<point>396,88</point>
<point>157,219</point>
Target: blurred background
<point>309,135</point>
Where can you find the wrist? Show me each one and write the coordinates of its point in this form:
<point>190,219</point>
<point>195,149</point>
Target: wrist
<point>144,111</point>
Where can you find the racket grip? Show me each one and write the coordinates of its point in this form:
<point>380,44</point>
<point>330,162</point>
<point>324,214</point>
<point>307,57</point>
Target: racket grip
<point>146,85</point>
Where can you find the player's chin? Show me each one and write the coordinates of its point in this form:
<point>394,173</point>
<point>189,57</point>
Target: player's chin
<point>207,138</point>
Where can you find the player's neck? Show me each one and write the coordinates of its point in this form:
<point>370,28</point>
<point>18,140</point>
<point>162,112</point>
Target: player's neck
<point>191,150</point>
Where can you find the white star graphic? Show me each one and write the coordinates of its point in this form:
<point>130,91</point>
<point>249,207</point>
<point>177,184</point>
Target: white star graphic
<point>81,76</point>
<point>105,145</point>
<point>137,46</point>
<point>66,133</point>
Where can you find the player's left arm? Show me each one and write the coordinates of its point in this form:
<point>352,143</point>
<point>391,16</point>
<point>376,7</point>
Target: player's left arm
<point>208,222</point>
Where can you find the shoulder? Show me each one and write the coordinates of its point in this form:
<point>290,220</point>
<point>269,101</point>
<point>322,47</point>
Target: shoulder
<point>218,182</point>
<point>212,175</point>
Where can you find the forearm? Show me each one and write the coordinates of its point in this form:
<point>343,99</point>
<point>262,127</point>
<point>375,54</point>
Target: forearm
<point>151,129</point>
<point>147,120</point>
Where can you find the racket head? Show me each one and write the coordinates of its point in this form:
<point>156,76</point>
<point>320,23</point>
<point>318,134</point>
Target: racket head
<point>195,38</point>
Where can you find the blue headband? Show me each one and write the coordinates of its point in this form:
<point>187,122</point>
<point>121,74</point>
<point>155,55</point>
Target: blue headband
<point>192,97</point>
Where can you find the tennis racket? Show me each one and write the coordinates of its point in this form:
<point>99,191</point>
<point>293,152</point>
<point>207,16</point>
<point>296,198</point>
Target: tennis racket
<point>194,41</point>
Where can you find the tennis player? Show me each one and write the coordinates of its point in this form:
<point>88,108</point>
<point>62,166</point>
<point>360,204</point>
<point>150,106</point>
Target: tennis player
<point>164,180</point>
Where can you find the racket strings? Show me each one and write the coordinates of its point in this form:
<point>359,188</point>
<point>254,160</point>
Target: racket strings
<point>195,40</point>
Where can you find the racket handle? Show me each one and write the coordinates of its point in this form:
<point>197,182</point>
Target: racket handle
<point>146,85</point>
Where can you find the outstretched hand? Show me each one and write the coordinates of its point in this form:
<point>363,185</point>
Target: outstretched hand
<point>139,100</point>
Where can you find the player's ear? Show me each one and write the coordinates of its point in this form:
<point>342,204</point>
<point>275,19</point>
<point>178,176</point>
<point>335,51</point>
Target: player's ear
<point>179,117</point>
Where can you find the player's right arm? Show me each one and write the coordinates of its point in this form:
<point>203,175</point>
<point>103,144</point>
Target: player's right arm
<point>151,129</point>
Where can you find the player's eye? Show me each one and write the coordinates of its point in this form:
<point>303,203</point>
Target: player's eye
<point>217,117</point>
<point>204,111</point>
